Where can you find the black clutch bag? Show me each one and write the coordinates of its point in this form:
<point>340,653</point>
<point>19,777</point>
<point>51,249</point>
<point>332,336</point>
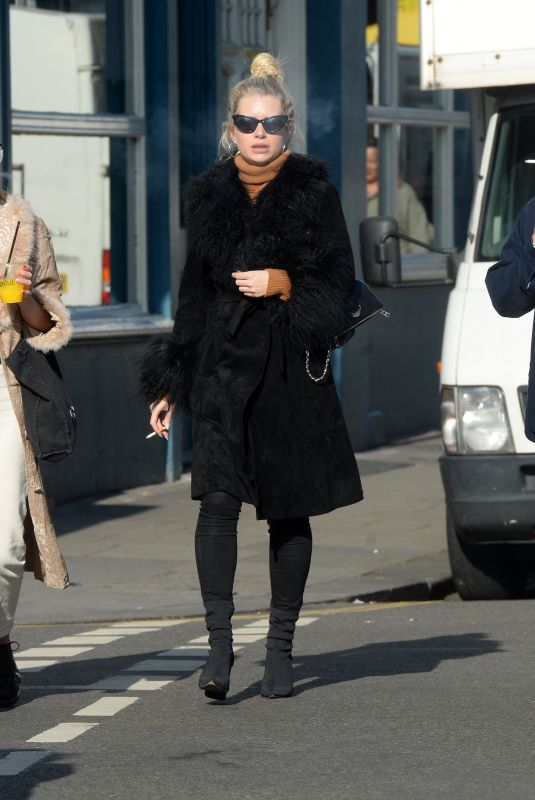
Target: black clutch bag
<point>49,416</point>
<point>361,305</point>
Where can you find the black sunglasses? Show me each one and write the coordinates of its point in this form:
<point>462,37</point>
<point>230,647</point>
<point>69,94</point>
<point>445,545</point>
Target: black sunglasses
<point>249,124</point>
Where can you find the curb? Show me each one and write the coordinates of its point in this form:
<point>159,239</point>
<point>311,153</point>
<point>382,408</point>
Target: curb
<point>417,579</point>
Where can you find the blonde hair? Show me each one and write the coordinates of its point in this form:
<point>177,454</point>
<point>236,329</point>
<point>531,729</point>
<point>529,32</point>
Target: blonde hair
<point>267,78</point>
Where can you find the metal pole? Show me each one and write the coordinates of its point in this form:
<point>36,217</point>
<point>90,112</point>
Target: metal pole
<point>443,184</point>
<point>5,93</point>
<point>355,372</point>
<point>388,96</point>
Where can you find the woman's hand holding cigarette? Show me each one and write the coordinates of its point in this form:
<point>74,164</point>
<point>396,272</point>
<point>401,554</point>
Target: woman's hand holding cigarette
<point>160,420</point>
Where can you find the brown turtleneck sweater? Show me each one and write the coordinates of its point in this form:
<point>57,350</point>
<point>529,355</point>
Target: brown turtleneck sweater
<point>255,178</point>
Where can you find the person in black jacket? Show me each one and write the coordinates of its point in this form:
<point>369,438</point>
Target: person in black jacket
<point>511,286</point>
<point>269,267</point>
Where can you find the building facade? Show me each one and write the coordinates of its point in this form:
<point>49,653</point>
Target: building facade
<point>109,107</point>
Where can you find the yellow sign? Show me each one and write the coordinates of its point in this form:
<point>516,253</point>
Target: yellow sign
<point>408,25</point>
<point>64,278</point>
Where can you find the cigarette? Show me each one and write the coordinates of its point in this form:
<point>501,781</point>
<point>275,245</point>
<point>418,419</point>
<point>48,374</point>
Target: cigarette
<point>150,435</point>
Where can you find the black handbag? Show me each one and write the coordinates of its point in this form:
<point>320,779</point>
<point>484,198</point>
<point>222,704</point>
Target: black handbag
<point>49,416</point>
<point>361,305</point>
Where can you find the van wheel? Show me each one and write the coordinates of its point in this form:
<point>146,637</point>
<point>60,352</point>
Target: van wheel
<point>483,572</point>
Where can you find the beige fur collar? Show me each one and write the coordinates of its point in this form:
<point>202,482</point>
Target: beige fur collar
<point>16,209</point>
<point>12,210</point>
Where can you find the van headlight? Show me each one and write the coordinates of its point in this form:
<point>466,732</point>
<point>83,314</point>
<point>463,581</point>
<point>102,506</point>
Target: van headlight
<point>474,420</point>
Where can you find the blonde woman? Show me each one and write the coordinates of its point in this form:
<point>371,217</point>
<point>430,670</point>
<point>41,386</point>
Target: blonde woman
<point>27,539</point>
<point>269,267</point>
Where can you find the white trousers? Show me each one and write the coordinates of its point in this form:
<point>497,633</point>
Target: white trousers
<point>12,510</point>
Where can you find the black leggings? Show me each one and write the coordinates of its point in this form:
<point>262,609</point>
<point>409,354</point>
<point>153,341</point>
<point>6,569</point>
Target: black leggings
<point>216,550</point>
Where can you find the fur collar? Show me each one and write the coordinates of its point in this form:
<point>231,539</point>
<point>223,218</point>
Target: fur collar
<point>221,184</point>
<point>13,209</point>
<point>228,231</point>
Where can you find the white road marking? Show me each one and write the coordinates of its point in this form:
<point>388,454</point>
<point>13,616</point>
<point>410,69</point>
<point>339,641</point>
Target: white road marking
<point>259,623</point>
<point>64,732</point>
<point>246,638</point>
<point>124,631</point>
<point>54,652</point>
<point>19,760</point>
<point>131,683</point>
<point>166,665</point>
<point>106,707</point>
<point>168,661</point>
<point>257,629</point>
<point>35,666</point>
<point>72,640</point>
<point>116,631</point>
<point>156,623</point>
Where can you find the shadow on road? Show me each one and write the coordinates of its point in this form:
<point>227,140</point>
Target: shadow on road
<point>23,786</point>
<point>380,659</point>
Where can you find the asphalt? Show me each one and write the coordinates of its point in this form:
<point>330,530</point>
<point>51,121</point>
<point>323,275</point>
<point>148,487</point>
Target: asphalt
<point>130,555</point>
<point>404,701</point>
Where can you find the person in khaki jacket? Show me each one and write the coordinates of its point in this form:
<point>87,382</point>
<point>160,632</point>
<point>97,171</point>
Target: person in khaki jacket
<point>410,212</point>
<point>27,538</point>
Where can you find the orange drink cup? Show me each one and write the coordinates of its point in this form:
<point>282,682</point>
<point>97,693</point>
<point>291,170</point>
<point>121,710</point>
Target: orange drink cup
<point>10,290</point>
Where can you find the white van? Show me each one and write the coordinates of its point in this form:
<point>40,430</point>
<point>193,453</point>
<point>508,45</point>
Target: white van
<point>65,178</point>
<point>488,467</point>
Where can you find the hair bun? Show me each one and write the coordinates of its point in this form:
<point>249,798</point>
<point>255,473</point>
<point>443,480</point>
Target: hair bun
<point>264,65</point>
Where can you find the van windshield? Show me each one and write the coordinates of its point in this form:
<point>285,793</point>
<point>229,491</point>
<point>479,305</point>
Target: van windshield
<point>511,181</point>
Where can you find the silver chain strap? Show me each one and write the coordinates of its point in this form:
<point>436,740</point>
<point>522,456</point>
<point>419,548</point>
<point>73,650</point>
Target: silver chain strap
<point>324,373</point>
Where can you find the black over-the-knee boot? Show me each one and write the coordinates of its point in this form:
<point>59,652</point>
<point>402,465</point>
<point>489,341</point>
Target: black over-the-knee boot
<point>216,555</point>
<point>290,550</point>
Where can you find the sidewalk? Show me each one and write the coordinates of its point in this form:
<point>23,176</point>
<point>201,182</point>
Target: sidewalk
<point>131,555</point>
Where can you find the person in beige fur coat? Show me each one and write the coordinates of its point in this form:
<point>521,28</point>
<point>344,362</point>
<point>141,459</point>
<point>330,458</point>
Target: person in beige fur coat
<point>27,537</point>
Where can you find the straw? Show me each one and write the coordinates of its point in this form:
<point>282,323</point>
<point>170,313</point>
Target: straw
<point>13,242</point>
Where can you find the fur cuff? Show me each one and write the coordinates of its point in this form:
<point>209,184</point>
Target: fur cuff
<point>314,312</point>
<point>166,371</point>
<point>60,333</point>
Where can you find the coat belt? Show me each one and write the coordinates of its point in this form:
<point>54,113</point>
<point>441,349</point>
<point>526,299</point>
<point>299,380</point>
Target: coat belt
<point>243,309</point>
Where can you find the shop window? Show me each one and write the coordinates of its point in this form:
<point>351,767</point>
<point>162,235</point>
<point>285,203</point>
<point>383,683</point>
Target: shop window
<point>73,182</point>
<point>72,109</point>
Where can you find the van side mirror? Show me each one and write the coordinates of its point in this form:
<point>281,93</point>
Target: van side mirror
<point>381,257</point>
<point>380,251</point>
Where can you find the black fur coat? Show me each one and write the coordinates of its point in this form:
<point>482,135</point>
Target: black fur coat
<point>262,429</point>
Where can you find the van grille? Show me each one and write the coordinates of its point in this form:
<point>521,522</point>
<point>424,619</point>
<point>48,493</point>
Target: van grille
<point>523,397</point>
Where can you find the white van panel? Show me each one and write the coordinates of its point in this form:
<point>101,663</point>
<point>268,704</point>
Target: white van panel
<point>476,43</point>
<point>481,180</point>
<point>493,350</point>
<point>451,341</point>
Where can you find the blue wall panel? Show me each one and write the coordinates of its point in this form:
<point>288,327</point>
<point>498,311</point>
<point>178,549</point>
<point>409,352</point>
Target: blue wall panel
<point>324,81</point>
<point>198,75</point>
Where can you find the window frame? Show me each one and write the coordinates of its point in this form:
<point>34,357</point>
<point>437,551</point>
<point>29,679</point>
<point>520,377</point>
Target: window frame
<point>388,115</point>
<point>130,126</point>
<point>503,117</point>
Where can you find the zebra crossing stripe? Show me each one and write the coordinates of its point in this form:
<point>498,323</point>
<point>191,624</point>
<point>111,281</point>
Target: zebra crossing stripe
<point>64,732</point>
<point>106,707</point>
